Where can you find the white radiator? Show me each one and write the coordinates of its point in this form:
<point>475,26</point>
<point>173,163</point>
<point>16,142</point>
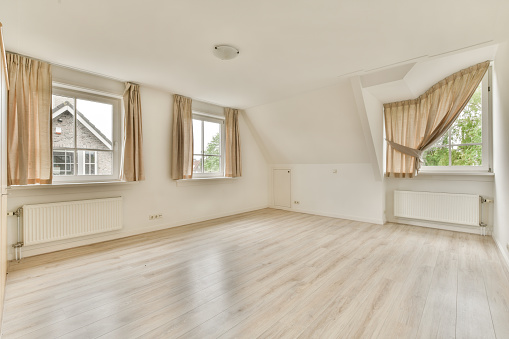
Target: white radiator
<point>460,209</point>
<point>64,220</point>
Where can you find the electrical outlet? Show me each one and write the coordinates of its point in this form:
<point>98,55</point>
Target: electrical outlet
<point>296,202</point>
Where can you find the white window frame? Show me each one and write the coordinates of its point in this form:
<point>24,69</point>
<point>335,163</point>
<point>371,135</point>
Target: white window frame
<point>106,98</point>
<point>84,163</point>
<point>219,120</point>
<point>486,103</point>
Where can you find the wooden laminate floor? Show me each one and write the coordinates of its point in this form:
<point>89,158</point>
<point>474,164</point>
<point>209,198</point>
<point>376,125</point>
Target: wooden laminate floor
<point>266,274</point>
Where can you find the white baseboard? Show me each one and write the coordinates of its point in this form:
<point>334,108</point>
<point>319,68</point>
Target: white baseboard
<point>440,226</point>
<point>502,250</point>
<point>333,215</point>
<point>30,251</point>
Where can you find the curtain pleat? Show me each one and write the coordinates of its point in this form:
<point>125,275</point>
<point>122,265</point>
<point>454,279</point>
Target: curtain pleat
<point>412,126</point>
<point>133,169</point>
<point>233,163</point>
<point>182,145</point>
<point>29,138</point>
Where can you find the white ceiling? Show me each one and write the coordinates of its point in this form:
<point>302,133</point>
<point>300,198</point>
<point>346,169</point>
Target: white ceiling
<point>286,47</point>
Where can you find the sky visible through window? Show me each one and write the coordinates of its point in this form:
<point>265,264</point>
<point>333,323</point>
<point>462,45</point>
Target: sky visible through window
<point>101,115</point>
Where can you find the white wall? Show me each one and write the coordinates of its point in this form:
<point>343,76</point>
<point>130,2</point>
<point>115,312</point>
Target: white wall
<point>375,115</point>
<point>312,134</point>
<point>158,193</point>
<point>375,118</point>
<point>501,147</point>
<point>467,184</point>
<point>351,193</point>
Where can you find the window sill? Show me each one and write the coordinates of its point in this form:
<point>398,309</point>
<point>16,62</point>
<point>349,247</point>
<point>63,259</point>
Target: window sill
<point>458,173</point>
<point>452,176</point>
<point>68,184</point>
<point>205,181</point>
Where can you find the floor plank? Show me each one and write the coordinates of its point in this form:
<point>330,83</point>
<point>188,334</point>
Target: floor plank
<point>265,274</point>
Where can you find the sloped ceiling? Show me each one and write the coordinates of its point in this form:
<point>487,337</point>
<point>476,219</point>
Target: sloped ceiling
<point>404,83</point>
<point>318,127</point>
<point>326,126</point>
<point>287,46</point>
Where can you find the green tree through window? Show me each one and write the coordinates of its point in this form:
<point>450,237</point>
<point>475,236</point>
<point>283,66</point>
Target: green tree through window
<point>462,144</point>
<point>212,163</point>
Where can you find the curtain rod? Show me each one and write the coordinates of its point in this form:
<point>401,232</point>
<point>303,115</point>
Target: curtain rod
<point>4,58</point>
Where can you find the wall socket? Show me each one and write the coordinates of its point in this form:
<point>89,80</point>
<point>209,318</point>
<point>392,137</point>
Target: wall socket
<point>155,216</point>
<point>296,202</point>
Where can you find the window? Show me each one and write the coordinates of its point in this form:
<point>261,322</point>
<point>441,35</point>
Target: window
<point>208,135</point>
<point>89,163</point>
<point>85,136</point>
<point>63,162</point>
<point>466,145</point>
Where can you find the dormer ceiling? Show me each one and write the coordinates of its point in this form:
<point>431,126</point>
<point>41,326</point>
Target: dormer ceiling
<point>411,80</point>
<point>288,47</point>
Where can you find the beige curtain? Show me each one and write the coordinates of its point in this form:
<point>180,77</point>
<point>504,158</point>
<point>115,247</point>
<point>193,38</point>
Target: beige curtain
<point>132,169</point>
<point>182,146</point>
<point>412,126</point>
<point>29,140</point>
<point>233,163</point>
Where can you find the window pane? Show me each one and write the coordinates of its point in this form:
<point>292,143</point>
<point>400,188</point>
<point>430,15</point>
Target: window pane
<point>197,164</point>
<point>59,157</point>
<point>212,137</point>
<point>436,156</point>
<point>63,162</point>
<point>197,144</point>
<point>466,155</point>
<point>467,129</point>
<point>212,164</point>
<point>98,163</point>
<point>444,140</point>
<point>58,169</point>
<point>95,124</point>
<point>104,162</point>
<point>63,121</point>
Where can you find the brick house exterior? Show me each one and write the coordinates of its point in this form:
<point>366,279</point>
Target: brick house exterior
<point>88,136</point>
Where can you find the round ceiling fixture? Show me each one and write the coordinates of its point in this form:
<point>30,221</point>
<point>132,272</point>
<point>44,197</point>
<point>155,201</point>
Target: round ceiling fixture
<point>225,52</point>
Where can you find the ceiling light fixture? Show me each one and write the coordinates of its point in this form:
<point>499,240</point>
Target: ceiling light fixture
<point>225,52</point>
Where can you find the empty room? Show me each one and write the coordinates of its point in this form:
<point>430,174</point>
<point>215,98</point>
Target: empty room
<point>254,169</point>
